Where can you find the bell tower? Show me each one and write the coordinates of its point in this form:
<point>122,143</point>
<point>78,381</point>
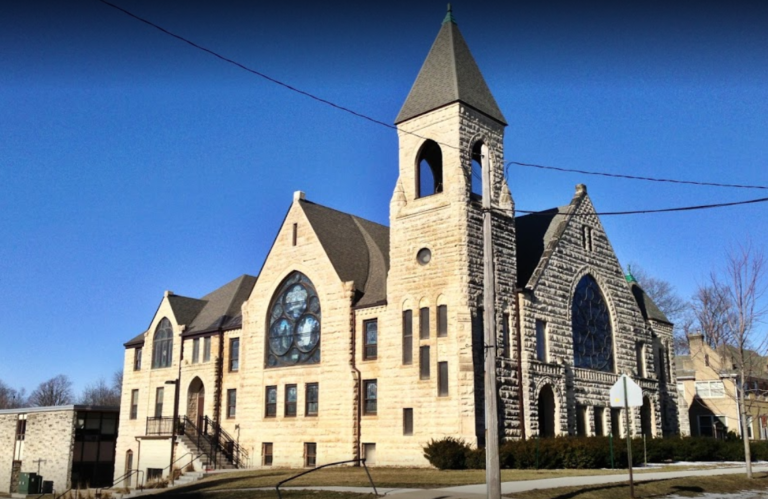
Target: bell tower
<point>450,125</point>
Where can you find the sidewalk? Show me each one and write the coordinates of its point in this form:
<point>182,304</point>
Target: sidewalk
<point>478,491</point>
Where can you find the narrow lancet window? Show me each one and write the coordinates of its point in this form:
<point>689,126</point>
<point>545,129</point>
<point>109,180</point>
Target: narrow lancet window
<point>429,170</point>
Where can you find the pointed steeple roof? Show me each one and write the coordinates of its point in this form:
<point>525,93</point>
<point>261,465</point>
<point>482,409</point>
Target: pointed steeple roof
<point>449,74</point>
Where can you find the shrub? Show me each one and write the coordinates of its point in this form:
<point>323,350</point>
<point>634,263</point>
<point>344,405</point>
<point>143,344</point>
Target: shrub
<point>447,454</point>
<point>475,459</point>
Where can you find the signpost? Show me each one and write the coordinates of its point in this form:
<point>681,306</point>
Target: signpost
<point>626,393</point>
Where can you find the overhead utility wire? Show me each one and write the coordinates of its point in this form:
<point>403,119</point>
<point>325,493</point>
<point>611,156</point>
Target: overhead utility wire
<point>246,68</point>
<point>392,127</point>
<point>662,210</point>
<point>633,177</point>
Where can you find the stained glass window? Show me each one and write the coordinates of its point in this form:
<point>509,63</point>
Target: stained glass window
<point>294,324</point>
<point>162,345</point>
<point>591,323</point>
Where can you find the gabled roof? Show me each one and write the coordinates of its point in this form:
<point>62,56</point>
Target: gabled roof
<point>647,307</point>
<point>357,248</point>
<point>218,309</point>
<point>185,309</point>
<point>222,308</point>
<point>536,233</point>
<point>449,74</point>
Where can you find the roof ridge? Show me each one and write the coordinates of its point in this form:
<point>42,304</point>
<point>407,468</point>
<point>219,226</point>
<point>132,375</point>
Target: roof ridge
<point>341,212</point>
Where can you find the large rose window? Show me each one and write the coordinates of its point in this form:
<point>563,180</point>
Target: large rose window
<point>294,324</point>
<point>591,322</point>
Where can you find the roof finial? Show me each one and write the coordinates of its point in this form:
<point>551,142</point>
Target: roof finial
<point>449,16</point>
<point>629,277</point>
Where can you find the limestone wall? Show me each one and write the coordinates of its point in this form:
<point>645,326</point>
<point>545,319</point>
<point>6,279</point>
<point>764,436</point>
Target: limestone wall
<point>7,447</point>
<point>549,298</point>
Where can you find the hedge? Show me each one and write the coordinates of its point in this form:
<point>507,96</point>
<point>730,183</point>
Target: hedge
<point>589,452</point>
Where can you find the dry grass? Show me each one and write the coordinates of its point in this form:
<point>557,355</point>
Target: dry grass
<point>689,487</point>
<point>385,477</point>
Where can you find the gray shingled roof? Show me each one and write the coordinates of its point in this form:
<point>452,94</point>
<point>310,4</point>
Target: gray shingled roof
<point>218,309</point>
<point>535,232</point>
<point>222,307</point>
<point>185,309</point>
<point>449,74</point>
<point>136,341</point>
<point>648,308</point>
<point>358,250</point>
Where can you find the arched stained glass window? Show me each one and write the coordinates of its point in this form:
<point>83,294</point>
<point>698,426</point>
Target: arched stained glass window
<point>591,323</point>
<point>294,324</point>
<point>162,345</point>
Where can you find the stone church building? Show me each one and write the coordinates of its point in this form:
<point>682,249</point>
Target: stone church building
<point>361,340</point>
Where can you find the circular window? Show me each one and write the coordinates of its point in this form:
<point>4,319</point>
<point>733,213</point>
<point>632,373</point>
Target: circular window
<point>424,256</point>
<point>294,323</point>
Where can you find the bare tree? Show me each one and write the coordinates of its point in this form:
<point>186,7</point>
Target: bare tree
<point>712,307</point>
<point>745,273</point>
<point>117,382</point>
<point>728,308</point>
<point>100,393</point>
<point>666,298</point>
<point>55,391</point>
<point>10,398</point>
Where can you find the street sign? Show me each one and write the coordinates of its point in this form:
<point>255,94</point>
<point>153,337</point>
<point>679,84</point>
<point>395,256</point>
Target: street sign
<point>633,391</point>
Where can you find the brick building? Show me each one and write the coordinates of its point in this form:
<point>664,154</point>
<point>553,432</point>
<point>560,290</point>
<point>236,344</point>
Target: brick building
<point>360,340</point>
<point>70,445</point>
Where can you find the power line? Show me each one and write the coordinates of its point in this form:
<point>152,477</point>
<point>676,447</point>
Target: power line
<point>662,210</point>
<point>393,127</point>
<point>633,177</point>
<point>262,75</point>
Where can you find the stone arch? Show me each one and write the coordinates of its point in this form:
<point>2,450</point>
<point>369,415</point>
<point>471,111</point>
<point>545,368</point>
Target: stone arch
<point>547,411</point>
<point>196,401</point>
<point>593,327</point>
<point>429,169</point>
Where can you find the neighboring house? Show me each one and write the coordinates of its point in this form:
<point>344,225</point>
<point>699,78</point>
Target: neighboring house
<point>708,380</point>
<point>72,445</point>
<point>360,340</point>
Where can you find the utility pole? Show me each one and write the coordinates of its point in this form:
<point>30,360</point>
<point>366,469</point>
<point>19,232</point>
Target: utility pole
<point>492,474</point>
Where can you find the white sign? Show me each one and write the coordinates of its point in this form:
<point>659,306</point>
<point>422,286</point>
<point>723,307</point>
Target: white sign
<point>634,393</point>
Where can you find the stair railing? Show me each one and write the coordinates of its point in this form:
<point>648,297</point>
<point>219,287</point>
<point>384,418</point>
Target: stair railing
<point>228,446</point>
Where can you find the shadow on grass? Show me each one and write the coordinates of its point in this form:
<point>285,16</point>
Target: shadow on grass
<point>619,486</point>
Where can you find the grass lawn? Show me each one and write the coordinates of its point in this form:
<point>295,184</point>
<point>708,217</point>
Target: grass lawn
<point>382,477</point>
<point>689,487</point>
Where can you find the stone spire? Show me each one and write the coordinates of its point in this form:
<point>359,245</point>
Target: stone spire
<point>449,74</point>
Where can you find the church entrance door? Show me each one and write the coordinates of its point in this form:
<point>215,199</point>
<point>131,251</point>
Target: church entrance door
<point>196,402</point>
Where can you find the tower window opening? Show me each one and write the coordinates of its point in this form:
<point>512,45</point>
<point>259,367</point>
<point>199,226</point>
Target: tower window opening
<point>430,170</point>
<point>476,173</point>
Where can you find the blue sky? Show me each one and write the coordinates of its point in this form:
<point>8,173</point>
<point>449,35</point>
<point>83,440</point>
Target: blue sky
<point>131,163</point>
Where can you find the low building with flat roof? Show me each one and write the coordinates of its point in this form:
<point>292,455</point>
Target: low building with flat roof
<point>71,445</point>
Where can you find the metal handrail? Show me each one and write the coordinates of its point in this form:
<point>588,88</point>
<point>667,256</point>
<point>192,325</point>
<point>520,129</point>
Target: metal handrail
<point>63,493</point>
<point>128,474</point>
<point>182,457</point>
<point>362,461</point>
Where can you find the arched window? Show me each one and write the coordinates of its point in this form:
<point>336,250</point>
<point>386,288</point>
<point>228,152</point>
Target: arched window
<point>162,345</point>
<point>294,323</point>
<point>476,177</point>
<point>591,323</point>
<point>430,170</point>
